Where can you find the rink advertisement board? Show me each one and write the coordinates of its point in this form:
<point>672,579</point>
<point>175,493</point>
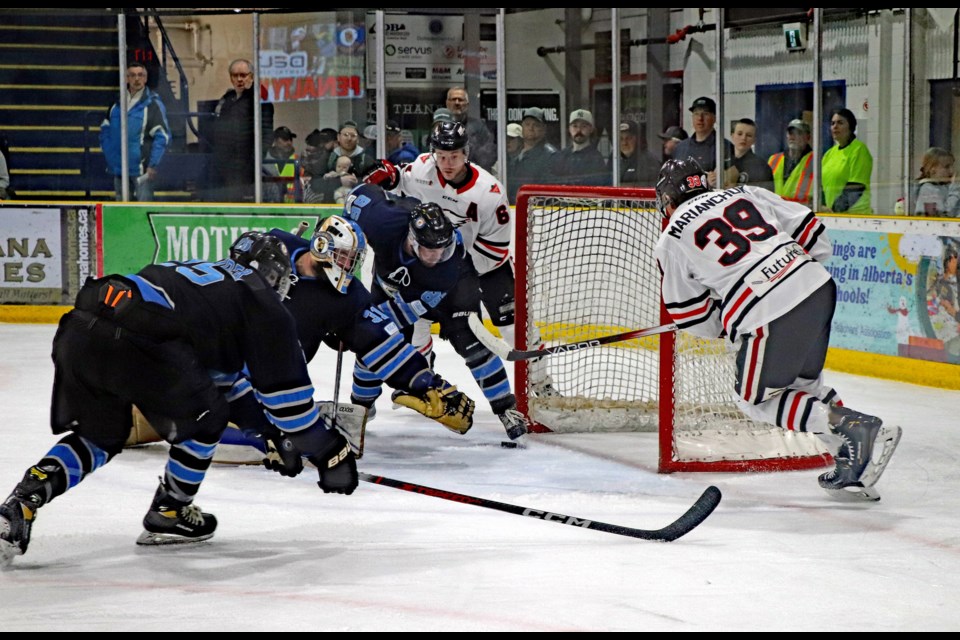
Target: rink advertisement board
<point>897,290</point>
<point>46,252</point>
<point>135,235</point>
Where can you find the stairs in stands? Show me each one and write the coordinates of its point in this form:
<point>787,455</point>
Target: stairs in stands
<point>59,73</point>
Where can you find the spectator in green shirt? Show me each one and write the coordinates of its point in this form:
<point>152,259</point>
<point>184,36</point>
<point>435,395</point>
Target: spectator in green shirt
<point>846,167</point>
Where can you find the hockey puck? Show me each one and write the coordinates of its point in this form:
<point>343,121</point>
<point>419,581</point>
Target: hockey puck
<point>508,445</point>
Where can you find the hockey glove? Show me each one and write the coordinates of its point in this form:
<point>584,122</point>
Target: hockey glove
<point>281,456</point>
<point>337,467</point>
<point>384,173</point>
<point>445,404</point>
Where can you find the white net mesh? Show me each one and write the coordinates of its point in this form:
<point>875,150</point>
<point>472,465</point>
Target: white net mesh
<point>585,269</point>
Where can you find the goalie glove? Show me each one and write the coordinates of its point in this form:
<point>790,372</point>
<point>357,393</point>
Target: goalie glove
<point>384,174</point>
<point>281,454</point>
<point>451,408</point>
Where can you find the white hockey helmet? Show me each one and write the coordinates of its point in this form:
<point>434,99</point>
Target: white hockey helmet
<point>340,246</point>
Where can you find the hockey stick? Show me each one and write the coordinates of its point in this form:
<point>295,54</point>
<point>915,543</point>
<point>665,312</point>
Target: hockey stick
<point>696,514</point>
<point>503,350</point>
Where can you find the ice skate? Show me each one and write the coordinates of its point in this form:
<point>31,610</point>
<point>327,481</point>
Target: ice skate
<point>544,388</point>
<point>171,521</point>
<point>515,423</point>
<point>19,511</point>
<point>857,468</point>
<point>16,520</point>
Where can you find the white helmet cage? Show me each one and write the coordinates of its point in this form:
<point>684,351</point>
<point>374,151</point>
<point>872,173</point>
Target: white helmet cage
<point>340,246</point>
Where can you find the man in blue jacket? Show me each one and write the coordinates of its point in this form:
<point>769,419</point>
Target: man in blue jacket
<point>148,135</point>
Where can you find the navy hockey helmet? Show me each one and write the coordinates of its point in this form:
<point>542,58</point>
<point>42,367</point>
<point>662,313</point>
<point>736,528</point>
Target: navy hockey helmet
<point>431,230</point>
<point>268,256</point>
<point>679,181</point>
<point>448,136</point>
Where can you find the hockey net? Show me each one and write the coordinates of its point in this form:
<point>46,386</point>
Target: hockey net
<point>585,268</point>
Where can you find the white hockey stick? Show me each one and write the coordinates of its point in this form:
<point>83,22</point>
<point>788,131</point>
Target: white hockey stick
<point>503,350</point>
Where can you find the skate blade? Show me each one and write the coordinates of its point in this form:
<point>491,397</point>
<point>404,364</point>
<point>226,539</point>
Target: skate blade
<point>887,438</point>
<point>853,494</point>
<point>150,539</point>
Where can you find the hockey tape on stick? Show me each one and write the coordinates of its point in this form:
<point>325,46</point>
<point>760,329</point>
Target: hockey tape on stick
<point>503,350</point>
<point>696,514</point>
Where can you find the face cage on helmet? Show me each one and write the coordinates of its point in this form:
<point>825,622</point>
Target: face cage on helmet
<point>279,279</point>
<point>448,248</point>
<point>341,268</point>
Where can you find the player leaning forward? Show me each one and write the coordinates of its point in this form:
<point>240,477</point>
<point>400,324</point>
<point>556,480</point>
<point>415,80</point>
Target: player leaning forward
<point>744,264</point>
<point>476,203</point>
<point>175,340</point>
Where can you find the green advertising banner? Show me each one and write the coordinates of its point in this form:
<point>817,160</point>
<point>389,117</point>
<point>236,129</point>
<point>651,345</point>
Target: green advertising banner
<point>132,235</point>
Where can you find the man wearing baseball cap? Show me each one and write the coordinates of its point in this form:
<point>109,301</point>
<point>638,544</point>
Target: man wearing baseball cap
<point>638,168</point>
<point>702,145</point>
<point>580,163</point>
<point>278,166</point>
<point>533,165</point>
<point>671,136</point>
<point>793,169</point>
<point>514,145</point>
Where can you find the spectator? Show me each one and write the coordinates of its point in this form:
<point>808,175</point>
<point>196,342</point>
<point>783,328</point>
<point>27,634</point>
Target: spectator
<point>148,135</point>
<point>6,193</point>
<point>533,164</point>
<point>580,163</point>
<point>397,151</point>
<point>318,146</point>
<point>514,145</point>
<point>347,180</point>
<point>348,144</point>
<point>938,194</point>
<point>637,168</point>
<point>671,136</point>
<point>793,169</point>
<point>846,167</point>
<point>233,161</point>
<point>483,148</point>
<point>753,170</point>
<point>342,175</point>
<point>702,145</point>
<point>279,167</point>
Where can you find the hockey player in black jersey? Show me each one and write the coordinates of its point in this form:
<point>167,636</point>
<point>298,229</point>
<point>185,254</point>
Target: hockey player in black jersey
<point>330,306</point>
<point>169,339</point>
<point>422,270</point>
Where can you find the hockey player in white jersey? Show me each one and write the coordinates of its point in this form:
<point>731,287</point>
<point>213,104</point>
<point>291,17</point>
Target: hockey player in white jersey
<point>744,264</point>
<point>477,205</point>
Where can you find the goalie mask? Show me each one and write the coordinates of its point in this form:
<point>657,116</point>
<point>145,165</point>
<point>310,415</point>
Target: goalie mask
<point>432,237</point>
<point>268,256</point>
<point>679,181</point>
<point>340,246</point>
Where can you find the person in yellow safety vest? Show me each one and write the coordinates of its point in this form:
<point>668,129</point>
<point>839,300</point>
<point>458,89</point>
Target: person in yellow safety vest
<point>279,168</point>
<point>793,169</point>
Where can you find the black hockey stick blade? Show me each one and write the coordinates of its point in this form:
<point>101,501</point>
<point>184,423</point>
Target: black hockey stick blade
<point>504,352</point>
<point>683,525</point>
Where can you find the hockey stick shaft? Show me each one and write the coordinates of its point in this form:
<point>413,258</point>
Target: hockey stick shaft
<point>503,350</point>
<point>696,514</point>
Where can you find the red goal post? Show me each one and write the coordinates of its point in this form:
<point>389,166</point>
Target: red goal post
<point>584,269</point>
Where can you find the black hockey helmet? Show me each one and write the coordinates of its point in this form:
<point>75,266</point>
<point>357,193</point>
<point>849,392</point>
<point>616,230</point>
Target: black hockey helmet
<point>266,255</point>
<point>448,136</point>
<point>679,181</point>
<point>431,229</point>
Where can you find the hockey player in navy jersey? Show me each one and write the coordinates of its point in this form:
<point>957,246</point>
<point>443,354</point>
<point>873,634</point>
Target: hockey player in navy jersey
<point>330,306</point>
<point>423,271</point>
<point>744,264</point>
<point>172,339</point>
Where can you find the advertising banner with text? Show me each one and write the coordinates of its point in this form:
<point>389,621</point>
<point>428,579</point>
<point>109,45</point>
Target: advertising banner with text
<point>45,252</point>
<point>136,235</point>
<point>897,291</point>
